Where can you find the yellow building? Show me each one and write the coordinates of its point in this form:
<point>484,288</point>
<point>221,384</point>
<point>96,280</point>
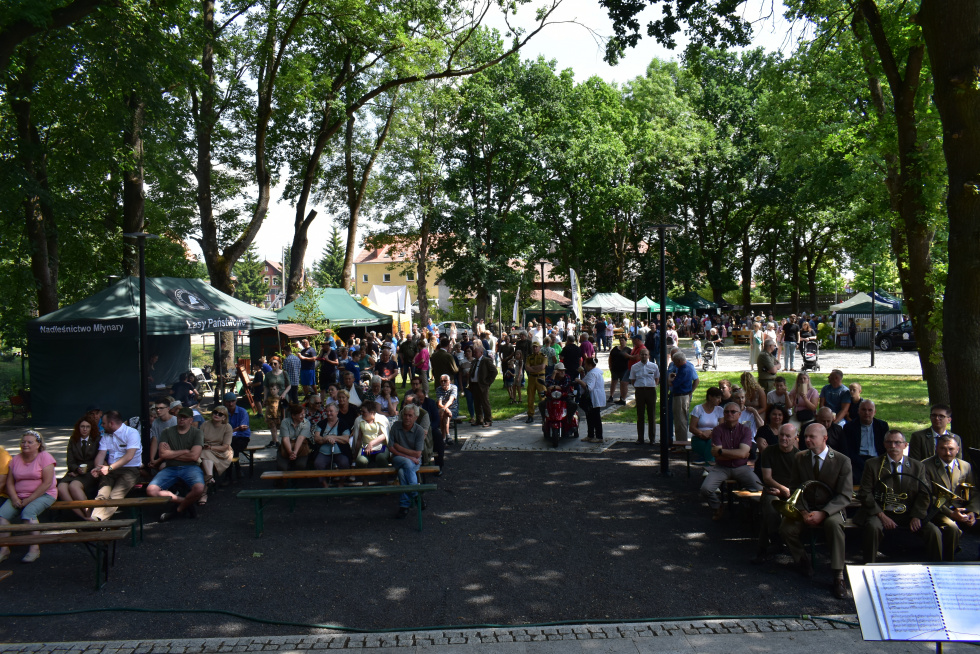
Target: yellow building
<point>391,266</point>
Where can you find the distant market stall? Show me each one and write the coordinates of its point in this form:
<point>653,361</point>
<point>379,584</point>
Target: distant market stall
<point>889,311</point>
<point>88,353</point>
<point>343,314</point>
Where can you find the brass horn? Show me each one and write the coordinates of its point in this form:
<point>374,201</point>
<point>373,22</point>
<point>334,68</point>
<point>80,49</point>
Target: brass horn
<point>886,497</point>
<point>789,508</point>
<point>965,490</point>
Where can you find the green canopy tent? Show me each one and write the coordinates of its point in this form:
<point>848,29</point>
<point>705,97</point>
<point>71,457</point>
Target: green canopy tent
<point>552,310</point>
<point>649,306</point>
<point>608,303</point>
<point>340,310</point>
<point>696,302</point>
<point>88,353</point>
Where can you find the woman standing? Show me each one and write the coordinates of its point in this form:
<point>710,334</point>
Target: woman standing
<point>216,455</point>
<point>79,484</point>
<point>30,487</point>
<point>447,399</point>
<point>276,388</point>
<point>464,361</point>
<point>704,418</point>
<point>594,397</point>
<point>295,442</point>
<point>757,336</point>
<point>421,362</point>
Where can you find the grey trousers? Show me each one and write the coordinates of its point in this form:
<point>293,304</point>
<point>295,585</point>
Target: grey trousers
<point>719,475</point>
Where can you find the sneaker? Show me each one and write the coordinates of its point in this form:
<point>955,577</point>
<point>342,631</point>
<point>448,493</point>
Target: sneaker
<point>402,513</point>
<point>529,420</point>
<point>271,444</point>
<point>697,463</point>
<point>169,515</point>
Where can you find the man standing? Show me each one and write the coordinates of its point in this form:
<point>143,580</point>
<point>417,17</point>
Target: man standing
<point>442,362</point>
<point>328,364</point>
<point>353,390</point>
<point>571,356</point>
<point>117,463</point>
<point>768,364</point>
<point>523,346</point>
<point>386,368</point>
<point>833,468</point>
<point>776,468</point>
<point>791,340</point>
<point>922,444</point>
<point>180,449</point>
<point>864,437</point>
<point>241,430</point>
<point>895,474</point>
<point>731,444</point>
<point>600,335</point>
<point>836,396</point>
<point>291,366</point>
<point>644,376</point>
<point>407,440</point>
<point>307,366</point>
<point>406,355</point>
<point>482,374</point>
<point>535,366</point>
<point>947,469</point>
<point>682,385</point>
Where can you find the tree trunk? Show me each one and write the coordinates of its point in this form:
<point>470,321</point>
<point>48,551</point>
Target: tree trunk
<point>39,219</point>
<point>134,198</point>
<point>774,285</point>
<point>747,259</point>
<point>794,267</point>
<point>811,282</point>
<point>422,269</point>
<point>297,252</point>
<point>950,28</point>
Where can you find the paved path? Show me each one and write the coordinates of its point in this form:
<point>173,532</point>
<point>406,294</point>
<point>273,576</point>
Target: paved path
<point>733,636</point>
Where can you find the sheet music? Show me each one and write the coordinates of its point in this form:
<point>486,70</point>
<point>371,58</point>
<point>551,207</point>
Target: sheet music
<point>920,602</point>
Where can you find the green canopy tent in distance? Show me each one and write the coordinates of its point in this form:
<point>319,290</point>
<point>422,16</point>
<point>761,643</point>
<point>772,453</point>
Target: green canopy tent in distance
<point>889,312</point>
<point>552,310</point>
<point>608,303</point>
<point>88,353</point>
<point>696,302</point>
<point>649,306</point>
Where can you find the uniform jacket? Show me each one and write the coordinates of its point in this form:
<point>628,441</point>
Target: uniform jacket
<point>962,473</point>
<point>922,445</point>
<point>879,468</point>
<point>835,472</point>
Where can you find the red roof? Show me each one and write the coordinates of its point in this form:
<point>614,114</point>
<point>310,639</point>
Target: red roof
<point>554,296</point>
<point>296,330</point>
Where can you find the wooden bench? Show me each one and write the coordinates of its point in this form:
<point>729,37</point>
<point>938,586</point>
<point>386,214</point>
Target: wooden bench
<point>682,449</point>
<point>742,336</point>
<point>249,453</point>
<point>259,497</point>
<point>278,475</point>
<point>134,504</point>
<point>96,536</point>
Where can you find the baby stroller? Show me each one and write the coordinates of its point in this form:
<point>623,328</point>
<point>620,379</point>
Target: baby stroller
<point>710,356</point>
<point>811,355</point>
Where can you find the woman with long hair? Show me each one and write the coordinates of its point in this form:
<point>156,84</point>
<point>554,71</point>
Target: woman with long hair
<point>79,484</point>
<point>755,396</point>
<point>804,399</point>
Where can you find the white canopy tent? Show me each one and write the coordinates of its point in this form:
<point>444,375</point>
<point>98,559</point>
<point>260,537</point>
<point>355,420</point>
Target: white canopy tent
<point>394,300</point>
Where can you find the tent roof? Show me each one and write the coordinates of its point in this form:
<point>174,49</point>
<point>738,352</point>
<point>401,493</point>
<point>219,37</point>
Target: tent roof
<point>613,302</point>
<point>296,330</point>
<point>173,306</point>
<point>549,306</point>
<point>861,303</point>
<point>339,309</point>
<point>654,307</point>
<point>695,301</point>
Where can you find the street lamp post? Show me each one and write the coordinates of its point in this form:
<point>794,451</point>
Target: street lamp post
<point>542,299</point>
<point>144,355</point>
<point>666,440</point>
<point>873,312</point>
<point>500,308</point>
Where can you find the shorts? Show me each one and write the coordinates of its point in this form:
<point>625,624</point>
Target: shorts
<point>167,477</point>
<point>307,377</point>
<point>618,375</point>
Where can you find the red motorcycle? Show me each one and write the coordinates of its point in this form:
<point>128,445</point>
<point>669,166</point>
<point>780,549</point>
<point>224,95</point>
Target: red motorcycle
<point>559,421</point>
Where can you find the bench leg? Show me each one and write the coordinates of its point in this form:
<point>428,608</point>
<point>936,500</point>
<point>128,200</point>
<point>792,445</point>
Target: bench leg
<point>259,520</point>
<point>251,464</point>
<point>136,513</point>
<point>418,508</point>
<point>688,452</point>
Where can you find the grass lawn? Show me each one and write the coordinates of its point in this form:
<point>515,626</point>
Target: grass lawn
<point>902,401</point>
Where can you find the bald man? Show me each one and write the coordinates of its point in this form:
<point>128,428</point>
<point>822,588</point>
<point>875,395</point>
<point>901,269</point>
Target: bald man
<point>819,462</point>
<point>775,467</point>
<point>864,438</point>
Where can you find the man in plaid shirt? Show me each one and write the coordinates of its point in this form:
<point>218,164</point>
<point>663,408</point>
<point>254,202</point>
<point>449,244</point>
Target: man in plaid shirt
<point>291,366</point>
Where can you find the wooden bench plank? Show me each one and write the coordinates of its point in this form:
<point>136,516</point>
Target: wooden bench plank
<point>5,573</point>
<point>124,502</point>
<point>350,472</point>
<point>259,497</point>
<point>47,539</point>
<point>83,525</point>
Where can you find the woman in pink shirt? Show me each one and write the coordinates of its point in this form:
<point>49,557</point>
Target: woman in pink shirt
<point>30,487</point>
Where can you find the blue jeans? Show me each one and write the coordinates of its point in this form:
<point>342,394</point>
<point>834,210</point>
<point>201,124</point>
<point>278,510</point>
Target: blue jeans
<point>407,471</point>
<point>28,512</point>
<point>789,355</point>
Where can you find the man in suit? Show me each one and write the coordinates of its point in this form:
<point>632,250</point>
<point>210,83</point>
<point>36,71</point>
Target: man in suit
<point>835,433</point>
<point>897,474</point>
<point>864,438</point>
<point>482,374</point>
<point>922,444</point>
<point>442,362</point>
<point>819,462</point>
<point>950,471</point>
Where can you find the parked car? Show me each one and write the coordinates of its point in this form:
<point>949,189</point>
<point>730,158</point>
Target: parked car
<point>461,327</point>
<point>900,336</point>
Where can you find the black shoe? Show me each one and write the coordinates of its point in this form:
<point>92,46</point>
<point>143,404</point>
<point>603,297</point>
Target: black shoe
<point>191,512</point>
<point>804,566</point>
<point>402,512</point>
<point>529,420</point>
<point>840,588</point>
<point>620,401</point>
<point>271,444</point>
<point>169,515</point>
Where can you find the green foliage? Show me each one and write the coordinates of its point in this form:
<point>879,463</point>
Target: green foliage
<point>329,268</point>
<point>308,312</point>
<point>251,286</point>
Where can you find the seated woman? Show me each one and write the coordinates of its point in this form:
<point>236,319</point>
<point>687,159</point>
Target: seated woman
<point>447,399</point>
<point>768,434</point>
<point>755,396</point>
<point>314,409</point>
<point>79,484</point>
<point>370,438</point>
<point>216,455</point>
<point>388,400</point>
<point>30,488</point>
<point>294,440</point>
<point>346,412</point>
<point>332,444</point>
<point>329,396</point>
<point>704,418</point>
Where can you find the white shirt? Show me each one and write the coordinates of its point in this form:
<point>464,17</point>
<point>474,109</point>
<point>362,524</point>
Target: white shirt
<point>116,444</point>
<point>597,387</point>
<point>644,375</point>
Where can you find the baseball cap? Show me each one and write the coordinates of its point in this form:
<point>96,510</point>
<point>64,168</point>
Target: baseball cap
<point>187,413</point>
<point>559,366</point>
<point>230,397</point>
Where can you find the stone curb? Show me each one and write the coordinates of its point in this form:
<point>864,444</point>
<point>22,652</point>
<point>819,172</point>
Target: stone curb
<point>452,637</point>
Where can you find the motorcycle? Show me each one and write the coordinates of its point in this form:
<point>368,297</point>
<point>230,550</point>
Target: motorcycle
<point>559,422</point>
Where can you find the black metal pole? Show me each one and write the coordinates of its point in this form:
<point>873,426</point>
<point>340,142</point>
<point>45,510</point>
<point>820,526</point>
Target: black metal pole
<point>873,314</point>
<point>542,301</point>
<point>144,355</point>
<point>666,440</point>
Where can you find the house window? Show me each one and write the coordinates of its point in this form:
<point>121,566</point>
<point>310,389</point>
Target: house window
<point>364,278</point>
<point>410,276</point>
<point>387,278</point>
<point>266,280</point>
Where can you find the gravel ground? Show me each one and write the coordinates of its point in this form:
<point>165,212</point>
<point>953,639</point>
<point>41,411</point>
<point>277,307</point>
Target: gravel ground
<point>510,538</point>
